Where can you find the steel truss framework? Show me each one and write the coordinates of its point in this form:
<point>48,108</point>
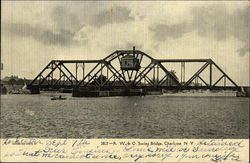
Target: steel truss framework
<point>104,75</point>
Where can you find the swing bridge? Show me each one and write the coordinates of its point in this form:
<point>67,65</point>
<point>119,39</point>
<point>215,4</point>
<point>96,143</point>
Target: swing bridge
<point>130,72</point>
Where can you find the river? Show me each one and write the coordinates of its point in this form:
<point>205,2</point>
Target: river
<point>124,117</point>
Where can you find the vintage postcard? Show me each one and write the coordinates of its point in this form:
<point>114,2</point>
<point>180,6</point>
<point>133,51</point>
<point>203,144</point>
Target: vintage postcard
<point>125,81</point>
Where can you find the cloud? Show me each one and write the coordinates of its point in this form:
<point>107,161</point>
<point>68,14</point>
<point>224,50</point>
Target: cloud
<point>213,21</point>
<point>241,29</point>
<point>112,15</point>
<point>244,50</point>
<point>216,21</point>
<point>45,36</point>
<point>62,23</point>
<point>64,19</point>
<point>164,31</point>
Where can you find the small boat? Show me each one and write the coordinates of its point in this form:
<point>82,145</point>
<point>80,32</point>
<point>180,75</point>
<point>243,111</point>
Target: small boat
<point>58,98</point>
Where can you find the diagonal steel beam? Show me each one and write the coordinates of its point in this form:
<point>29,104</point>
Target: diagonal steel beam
<point>52,70</point>
<point>46,67</point>
<point>114,73</point>
<point>109,79</point>
<point>160,82</point>
<point>149,80</point>
<point>141,72</point>
<point>203,80</point>
<point>141,75</point>
<point>69,72</point>
<point>225,74</point>
<point>218,80</point>
<point>64,73</point>
<point>88,74</point>
<point>112,67</point>
<point>196,74</point>
<point>102,66</point>
<point>58,80</point>
<point>169,74</point>
<point>141,56</point>
<point>112,56</point>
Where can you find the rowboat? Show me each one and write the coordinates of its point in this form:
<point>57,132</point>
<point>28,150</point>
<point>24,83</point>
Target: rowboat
<point>58,98</point>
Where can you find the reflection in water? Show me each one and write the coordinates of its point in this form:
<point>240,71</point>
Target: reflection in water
<point>124,117</point>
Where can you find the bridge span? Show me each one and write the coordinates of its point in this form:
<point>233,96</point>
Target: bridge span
<point>130,72</point>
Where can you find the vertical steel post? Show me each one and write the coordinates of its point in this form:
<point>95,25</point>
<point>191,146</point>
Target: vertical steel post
<point>52,66</point>
<point>168,81</point>
<point>107,73</point>
<point>60,76</point>
<point>83,69</point>
<point>211,71</point>
<point>184,72</point>
<point>154,75</point>
<point>140,83</point>
<point>157,74</point>
<point>76,70</point>
<point>225,81</point>
<point>181,71</point>
<point>101,74</point>
<point>133,51</point>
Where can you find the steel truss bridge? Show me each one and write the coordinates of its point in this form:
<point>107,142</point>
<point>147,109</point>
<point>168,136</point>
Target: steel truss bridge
<point>153,74</point>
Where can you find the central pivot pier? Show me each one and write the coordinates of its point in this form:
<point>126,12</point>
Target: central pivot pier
<point>122,81</point>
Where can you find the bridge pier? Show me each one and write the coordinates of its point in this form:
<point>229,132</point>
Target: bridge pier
<point>34,90</point>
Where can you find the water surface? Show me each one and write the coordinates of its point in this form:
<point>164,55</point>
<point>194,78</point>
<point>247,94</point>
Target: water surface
<point>124,117</point>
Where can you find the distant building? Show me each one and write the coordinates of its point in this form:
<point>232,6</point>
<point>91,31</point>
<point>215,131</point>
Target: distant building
<point>13,79</point>
<point>3,89</point>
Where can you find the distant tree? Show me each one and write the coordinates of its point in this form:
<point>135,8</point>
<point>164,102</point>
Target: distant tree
<point>20,82</point>
<point>169,81</point>
<point>12,81</point>
<point>174,74</point>
<point>100,79</point>
<point>14,77</point>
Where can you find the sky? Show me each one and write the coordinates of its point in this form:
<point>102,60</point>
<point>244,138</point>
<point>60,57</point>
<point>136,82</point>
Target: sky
<point>34,33</point>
